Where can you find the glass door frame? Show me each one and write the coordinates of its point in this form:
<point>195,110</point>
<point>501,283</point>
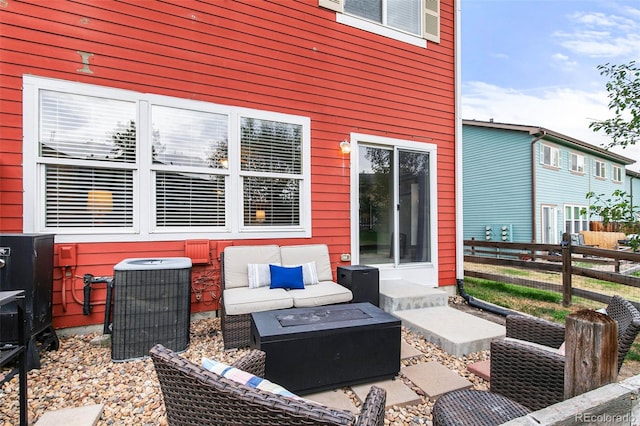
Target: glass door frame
<point>549,231</point>
<point>420,272</point>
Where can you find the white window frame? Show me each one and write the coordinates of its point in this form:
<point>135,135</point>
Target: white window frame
<point>616,173</point>
<point>427,14</point>
<point>143,228</point>
<point>581,223</point>
<point>599,169</point>
<point>554,155</point>
<point>579,161</point>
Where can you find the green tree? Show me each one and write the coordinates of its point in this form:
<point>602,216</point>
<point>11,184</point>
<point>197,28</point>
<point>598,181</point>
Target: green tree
<point>617,209</point>
<point>624,101</point>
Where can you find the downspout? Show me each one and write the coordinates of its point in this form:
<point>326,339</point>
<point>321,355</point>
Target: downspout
<point>534,230</point>
<point>458,148</point>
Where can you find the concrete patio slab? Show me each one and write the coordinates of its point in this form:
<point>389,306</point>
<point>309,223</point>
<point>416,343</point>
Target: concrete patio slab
<point>408,351</point>
<point>75,416</point>
<point>334,399</point>
<point>434,378</point>
<point>481,369</point>
<point>457,332</point>
<point>398,394</point>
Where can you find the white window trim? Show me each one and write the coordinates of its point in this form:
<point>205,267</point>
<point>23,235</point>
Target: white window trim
<point>573,219</point>
<point>603,169</point>
<point>577,155</point>
<point>375,28</point>
<point>616,173</point>
<point>553,149</point>
<point>429,268</point>
<point>142,230</point>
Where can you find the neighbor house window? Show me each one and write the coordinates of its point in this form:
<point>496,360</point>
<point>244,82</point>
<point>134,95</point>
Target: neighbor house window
<point>420,18</point>
<point>549,155</point>
<point>108,161</point>
<point>600,169</point>
<point>574,219</point>
<point>577,162</point>
<point>617,174</point>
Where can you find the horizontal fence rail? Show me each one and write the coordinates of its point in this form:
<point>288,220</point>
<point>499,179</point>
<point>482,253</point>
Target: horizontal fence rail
<point>573,270</point>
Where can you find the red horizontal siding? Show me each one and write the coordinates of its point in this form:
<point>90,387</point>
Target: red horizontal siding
<point>289,57</point>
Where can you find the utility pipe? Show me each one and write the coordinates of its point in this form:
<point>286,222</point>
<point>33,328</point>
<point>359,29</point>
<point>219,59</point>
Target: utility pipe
<point>476,303</point>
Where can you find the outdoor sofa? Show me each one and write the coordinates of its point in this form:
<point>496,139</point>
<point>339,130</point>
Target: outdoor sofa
<point>247,285</point>
<point>194,396</point>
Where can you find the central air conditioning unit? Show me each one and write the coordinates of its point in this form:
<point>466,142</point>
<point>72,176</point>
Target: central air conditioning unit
<point>151,304</point>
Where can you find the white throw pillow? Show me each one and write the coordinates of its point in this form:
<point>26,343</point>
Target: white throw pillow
<point>309,273</point>
<point>259,274</point>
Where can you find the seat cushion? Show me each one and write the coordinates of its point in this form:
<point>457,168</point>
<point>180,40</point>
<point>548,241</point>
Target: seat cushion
<point>323,293</point>
<point>236,259</point>
<point>239,301</point>
<point>298,255</point>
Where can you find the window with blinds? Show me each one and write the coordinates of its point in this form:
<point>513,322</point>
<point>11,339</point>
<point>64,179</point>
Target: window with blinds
<point>189,150</point>
<point>404,15</point>
<point>419,18</point>
<point>125,162</point>
<point>88,150</point>
<point>271,171</point>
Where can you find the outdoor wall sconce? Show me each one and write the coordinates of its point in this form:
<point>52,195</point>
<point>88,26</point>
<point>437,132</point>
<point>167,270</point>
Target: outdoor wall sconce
<point>345,147</point>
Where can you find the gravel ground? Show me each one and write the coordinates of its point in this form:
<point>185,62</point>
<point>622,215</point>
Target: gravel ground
<point>81,373</point>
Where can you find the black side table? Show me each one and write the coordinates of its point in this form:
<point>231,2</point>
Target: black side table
<point>363,281</point>
<point>9,352</point>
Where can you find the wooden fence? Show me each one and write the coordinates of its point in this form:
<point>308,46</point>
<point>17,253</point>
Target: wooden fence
<point>557,267</point>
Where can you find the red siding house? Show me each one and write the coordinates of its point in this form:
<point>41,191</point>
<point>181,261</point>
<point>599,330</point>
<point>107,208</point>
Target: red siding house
<point>137,129</point>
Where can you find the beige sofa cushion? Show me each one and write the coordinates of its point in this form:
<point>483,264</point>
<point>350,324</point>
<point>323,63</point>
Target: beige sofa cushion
<point>239,301</point>
<point>323,293</point>
<point>297,255</point>
<point>236,259</point>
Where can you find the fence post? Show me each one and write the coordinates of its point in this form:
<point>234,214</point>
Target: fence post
<point>566,269</point>
<point>591,350</point>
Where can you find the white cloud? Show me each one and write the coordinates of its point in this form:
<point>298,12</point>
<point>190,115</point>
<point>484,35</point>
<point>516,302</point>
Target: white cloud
<point>562,110</point>
<point>600,35</point>
<point>563,61</point>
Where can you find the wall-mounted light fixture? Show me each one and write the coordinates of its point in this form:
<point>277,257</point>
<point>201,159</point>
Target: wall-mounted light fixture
<point>345,147</point>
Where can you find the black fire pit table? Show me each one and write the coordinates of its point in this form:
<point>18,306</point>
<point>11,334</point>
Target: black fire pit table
<point>328,347</point>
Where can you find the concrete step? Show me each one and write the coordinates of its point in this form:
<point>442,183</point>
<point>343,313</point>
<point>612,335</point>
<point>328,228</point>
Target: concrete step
<point>74,416</point>
<point>457,332</point>
<point>398,295</point>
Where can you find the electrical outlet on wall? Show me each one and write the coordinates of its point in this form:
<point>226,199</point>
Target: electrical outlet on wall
<point>345,257</point>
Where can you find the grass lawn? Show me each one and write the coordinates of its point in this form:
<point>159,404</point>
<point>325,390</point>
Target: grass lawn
<point>540,303</point>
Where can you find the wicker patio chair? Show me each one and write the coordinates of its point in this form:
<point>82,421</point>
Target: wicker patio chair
<point>194,396</point>
<point>534,376</point>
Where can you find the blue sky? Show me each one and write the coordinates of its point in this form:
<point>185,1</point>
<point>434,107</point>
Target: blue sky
<point>534,62</point>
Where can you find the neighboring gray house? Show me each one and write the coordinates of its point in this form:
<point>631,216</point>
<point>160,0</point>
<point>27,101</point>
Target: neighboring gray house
<point>529,184</point>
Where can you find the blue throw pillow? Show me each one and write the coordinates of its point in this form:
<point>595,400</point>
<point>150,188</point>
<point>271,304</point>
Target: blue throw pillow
<point>286,277</point>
